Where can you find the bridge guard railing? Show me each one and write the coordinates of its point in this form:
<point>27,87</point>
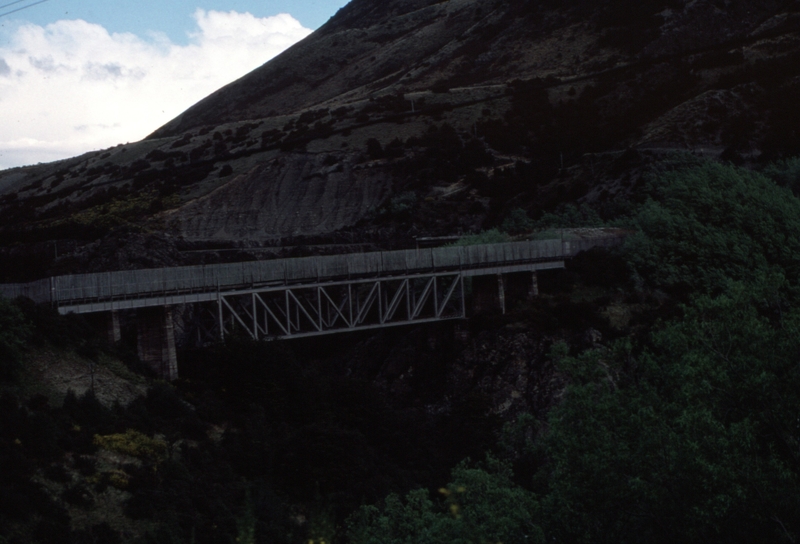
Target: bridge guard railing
<point>210,278</point>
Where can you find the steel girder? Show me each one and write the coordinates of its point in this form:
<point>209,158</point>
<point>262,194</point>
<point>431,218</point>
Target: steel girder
<point>312,310</point>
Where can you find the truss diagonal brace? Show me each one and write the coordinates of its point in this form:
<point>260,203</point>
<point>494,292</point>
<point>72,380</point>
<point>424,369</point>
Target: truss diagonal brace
<point>370,300</point>
<point>443,307</point>
<point>271,314</point>
<point>423,298</point>
<point>337,308</point>
<point>300,305</point>
<point>238,318</point>
<point>395,303</point>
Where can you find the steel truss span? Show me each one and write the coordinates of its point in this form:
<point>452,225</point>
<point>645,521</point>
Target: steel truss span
<point>296,298</point>
<point>312,310</point>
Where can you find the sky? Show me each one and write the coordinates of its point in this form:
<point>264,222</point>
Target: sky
<point>83,75</point>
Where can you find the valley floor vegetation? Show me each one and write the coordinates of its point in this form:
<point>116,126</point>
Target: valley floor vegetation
<point>682,425</point>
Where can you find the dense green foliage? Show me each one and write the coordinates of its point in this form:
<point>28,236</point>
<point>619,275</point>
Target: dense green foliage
<point>477,506</point>
<point>709,224</point>
<point>691,433</point>
<point>785,173</point>
<point>692,439</point>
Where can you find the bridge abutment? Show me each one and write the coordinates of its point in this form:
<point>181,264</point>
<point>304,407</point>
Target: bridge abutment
<point>156,341</point>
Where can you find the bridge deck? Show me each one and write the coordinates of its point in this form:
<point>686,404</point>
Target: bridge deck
<point>98,292</point>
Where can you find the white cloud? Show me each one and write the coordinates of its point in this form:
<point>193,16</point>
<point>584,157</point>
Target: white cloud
<point>72,87</point>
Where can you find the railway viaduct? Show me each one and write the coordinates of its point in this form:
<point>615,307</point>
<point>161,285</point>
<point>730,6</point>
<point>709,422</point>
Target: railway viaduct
<point>301,297</point>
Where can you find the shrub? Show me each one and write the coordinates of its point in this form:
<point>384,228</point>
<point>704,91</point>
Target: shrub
<point>570,216</point>
<point>517,222</point>
<point>88,411</point>
<point>480,505</point>
<point>374,149</point>
<point>492,236</point>
<point>118,479</point>
<point>14,335</point>
<point>49,327</point>
<point>78,495</point>
<point>785,173</point>
<point>56,473</point>
<point>96,534</point>
<point>402,203</point>
<point>133,443</point>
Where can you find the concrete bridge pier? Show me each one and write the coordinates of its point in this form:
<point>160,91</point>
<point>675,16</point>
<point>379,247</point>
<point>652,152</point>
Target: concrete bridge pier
<point>156,341</point>
<point>496,293</point>
<point>501,293</point>
<point>113,331</point>
<point>488,294</point>
<point>522,286</point>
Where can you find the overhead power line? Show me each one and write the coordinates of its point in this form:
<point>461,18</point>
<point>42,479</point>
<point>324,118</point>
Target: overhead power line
<point>20,9</point>
<point>4,6</point>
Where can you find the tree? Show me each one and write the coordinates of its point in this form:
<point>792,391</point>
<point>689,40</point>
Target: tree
<point>708,223</point>
<point>691,433</point>
<point>481,505</point>
<point>693,439</point>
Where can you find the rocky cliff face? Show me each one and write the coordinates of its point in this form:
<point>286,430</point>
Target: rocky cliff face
<point>418,117</point>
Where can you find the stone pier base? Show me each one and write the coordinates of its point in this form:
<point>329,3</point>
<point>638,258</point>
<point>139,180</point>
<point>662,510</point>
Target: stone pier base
<point>156,341</point>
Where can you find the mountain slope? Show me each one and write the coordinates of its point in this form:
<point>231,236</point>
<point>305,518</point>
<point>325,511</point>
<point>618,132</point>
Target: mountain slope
<point>404,46</point>
<point>408,118</point>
